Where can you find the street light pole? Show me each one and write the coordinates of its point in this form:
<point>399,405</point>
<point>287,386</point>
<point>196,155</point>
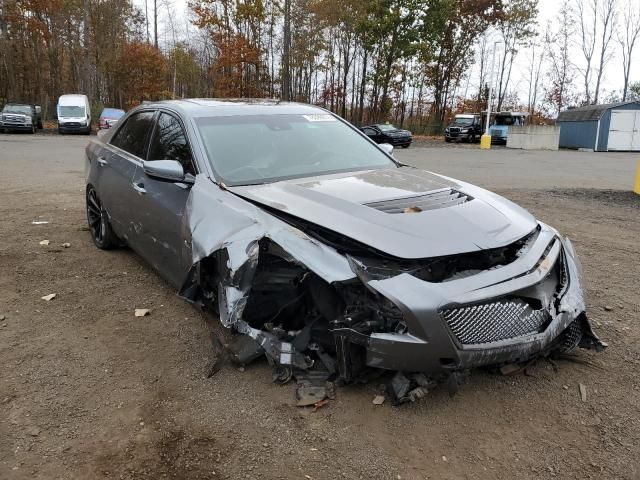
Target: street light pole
<point>485,140</point>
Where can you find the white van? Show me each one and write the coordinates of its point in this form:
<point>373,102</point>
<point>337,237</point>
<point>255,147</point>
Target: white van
<point>74,114</point>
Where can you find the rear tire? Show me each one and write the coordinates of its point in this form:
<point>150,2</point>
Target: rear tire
<point>101,232</point>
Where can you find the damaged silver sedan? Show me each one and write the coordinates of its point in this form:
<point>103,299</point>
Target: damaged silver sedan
<point>333,259</point>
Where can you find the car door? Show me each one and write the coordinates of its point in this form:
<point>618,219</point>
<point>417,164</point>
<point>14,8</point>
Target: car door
<point>371,133</point>
<point>160,204</point>
<point>116,164</point>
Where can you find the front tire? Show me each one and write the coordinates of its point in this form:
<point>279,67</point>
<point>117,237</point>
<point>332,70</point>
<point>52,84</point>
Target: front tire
<point>99,226</point>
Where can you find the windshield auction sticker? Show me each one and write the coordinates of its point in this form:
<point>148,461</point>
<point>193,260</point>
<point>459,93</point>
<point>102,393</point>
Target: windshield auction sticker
<point>320,117</point>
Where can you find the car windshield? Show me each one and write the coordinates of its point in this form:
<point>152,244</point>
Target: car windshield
<point>24,109</point>
<point>251,149</point>
<point>463,121</point>
<point>70,111</point>
<point>509,120</point>
<point>386,127</point>
<point>112,113</point>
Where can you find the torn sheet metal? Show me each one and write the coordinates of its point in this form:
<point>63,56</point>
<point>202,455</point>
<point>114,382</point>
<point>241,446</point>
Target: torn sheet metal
<point>236,225</point>
<point>233,233</point>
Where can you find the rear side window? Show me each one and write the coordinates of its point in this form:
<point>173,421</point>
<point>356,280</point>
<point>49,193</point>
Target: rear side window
<point>132,136</point>
<point>169,142</point>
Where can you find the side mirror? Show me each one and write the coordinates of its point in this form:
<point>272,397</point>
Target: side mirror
<point>387,147</point>
<point>165,169</point>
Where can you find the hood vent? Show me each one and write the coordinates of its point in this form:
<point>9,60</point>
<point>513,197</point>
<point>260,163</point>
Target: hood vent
<point>443,198</point>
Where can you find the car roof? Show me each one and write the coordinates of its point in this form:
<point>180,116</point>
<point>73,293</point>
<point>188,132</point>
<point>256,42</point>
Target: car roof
<point>208,107</point>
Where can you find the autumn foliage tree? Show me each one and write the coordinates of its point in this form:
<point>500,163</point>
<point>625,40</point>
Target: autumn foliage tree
<point>141,73</point>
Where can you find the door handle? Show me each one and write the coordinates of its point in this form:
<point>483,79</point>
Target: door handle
<point>139,187</point>
<point>102,162</point>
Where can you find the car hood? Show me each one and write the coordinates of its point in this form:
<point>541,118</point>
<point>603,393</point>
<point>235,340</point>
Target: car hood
<point>356,205</point>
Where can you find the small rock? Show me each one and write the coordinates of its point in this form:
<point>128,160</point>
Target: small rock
<point>566,387</point>
<point>34,431</point>
<point>444,459</point>
<point>583,392</point>
<point>44,242</point>
<point>66,245</point>
<point>378,400</point>
<point>141,312</point>
<point>608,308</point>
<point>2,317</point>
<point>142,424</point>
<point>49,297</point>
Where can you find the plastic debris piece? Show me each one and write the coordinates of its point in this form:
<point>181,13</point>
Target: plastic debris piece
<point>51,296</point>
<point>65,245</point>
<point>141,312</point>
<point>307,395</point>
<point>244,349</point>
<point>317,406</point>
<point>378,400</point>
<point>44,242</point>
<point>39,222</point>
<point>583,392</point>
<point>510,369</point>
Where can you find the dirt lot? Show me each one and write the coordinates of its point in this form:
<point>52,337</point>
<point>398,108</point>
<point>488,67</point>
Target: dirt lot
<point>87,390</point>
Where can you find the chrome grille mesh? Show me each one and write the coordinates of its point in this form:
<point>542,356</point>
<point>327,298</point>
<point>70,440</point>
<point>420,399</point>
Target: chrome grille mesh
<point>495,321</point>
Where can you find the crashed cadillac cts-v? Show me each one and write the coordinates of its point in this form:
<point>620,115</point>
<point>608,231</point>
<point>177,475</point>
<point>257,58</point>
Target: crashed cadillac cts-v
<point>327,254</point>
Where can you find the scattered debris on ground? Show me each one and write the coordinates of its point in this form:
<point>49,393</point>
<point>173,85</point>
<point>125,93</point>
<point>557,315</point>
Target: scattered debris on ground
<point>44,242</point>
<point>141,312</point>
<point>583,392</point>
<point>49,297</point>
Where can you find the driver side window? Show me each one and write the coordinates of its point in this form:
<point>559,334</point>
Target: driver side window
<point>169,142</point>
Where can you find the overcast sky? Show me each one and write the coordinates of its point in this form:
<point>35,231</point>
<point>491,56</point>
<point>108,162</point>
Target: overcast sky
<point>548,10</point>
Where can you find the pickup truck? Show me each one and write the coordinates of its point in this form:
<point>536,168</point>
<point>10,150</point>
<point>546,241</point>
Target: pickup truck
<point>21,116</point>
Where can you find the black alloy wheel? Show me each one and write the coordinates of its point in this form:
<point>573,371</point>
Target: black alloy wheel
<point>99,225</point>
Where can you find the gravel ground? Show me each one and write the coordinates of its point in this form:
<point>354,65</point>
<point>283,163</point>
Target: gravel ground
<point>90,391</point>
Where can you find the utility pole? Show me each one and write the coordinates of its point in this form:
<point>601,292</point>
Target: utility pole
<point>485,140</point>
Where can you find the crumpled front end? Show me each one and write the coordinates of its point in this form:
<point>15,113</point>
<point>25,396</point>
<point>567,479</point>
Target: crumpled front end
<point>328,308</point>
<point>507,314</point>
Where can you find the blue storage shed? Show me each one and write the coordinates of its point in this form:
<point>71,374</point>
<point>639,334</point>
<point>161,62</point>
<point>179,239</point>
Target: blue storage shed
<point>603,128</point>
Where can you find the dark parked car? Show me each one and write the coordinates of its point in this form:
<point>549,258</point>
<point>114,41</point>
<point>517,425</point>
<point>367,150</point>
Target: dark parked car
<point>327,255</point>
<point>387,133</point>
<point>109,117</point>
<point>465,127</point>
<point>21,117</point>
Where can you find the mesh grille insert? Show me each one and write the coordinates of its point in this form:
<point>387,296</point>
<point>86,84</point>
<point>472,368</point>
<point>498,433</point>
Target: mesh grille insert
<point>445,197</point>
<point>495,321</point>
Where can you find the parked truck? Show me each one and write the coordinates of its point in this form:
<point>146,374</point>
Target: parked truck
<point>21,117</point>
<point>465,127</point>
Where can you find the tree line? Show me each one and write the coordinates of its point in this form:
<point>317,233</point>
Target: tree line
<point>412,62</point>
